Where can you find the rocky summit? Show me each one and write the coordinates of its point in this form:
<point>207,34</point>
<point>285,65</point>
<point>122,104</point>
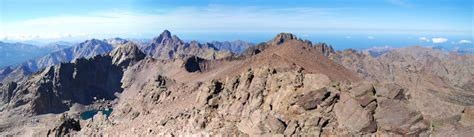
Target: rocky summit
<point>285,86</point>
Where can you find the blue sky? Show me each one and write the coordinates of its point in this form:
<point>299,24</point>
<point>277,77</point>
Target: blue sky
<point>429,21</point>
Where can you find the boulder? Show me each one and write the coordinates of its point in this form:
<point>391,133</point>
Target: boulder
<point>66,124</point>
<point>275,125</point>
<point>388,90</point>
<point>361,89</point>
<point>315,81</point>
<point>351,115</point>
<point>467,117</point>
<point>310,100</point>
<point>399,117</point>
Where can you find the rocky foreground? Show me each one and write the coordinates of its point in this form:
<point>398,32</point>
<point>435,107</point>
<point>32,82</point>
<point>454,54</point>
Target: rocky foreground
<point>286,86</point>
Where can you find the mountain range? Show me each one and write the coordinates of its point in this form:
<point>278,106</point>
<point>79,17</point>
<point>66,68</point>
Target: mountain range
<point>163,47</point>
<point>285,86</point>
<point>12,53</point>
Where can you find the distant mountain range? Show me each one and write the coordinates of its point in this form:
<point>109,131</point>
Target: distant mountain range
<point>378,51</point>
<point>163,46</point>
<point>13,53</point>
<point>167,46</point>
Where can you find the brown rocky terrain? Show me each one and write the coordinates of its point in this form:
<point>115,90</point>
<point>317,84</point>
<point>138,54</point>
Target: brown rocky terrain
<point>286,86</point>
<point>439,84</point>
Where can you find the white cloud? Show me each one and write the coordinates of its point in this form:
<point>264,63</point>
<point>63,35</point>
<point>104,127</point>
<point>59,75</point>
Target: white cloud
<point>189,19</point>
<point>439,40</point>
<point>464,41</point>
<point>348,37</point>
<point>371,37</point>
<point>213,18</point>
<point>424,39</point>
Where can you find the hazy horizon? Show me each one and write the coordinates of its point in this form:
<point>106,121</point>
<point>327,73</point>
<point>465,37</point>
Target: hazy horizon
<point>343,24</point>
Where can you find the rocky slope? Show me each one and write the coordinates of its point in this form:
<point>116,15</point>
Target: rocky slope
<point>286,86</point>
<point>439,84</point>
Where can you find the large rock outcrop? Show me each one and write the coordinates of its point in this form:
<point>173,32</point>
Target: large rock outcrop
<point>56,88</point>
<point>65,125</point>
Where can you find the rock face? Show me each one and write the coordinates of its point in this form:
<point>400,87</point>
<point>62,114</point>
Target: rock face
<point>353,116</point>
<point>56,88</point>
<point>237,46</point>
<point>399,117</point>
<point>6,92</point>
<point>126,55</point>
<point>415,86</point>
<point>66,124</point>
<point>325,49</point>
<point>282,37</point>
<point>254,102</point>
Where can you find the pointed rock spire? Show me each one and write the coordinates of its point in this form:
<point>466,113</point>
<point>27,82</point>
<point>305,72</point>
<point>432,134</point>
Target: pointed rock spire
<point>282,37</point>
<point>325,49</point>
<point>165,35</point>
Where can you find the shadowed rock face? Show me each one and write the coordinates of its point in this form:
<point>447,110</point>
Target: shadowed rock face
<point>282,37</point>
<point>193,64</point>
<point>65,125</point>
<point>6,92</point>
<point>255,50</point>
<point>56,88</point>
<point>237,46</point>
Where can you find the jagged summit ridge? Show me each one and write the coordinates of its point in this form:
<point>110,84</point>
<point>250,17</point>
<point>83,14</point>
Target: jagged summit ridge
<point>164,36</point>
<point>167,46</point>
<point>282,37</point>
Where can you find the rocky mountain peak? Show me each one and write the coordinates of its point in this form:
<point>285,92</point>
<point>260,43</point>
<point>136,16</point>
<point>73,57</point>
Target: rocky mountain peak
<point>126,54</point>
<point>167,46</point>
<point>92,42</point>
<point>165,35</point>
<point>325,49</point>
<point>175,38</point>
<point>282,37</point>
